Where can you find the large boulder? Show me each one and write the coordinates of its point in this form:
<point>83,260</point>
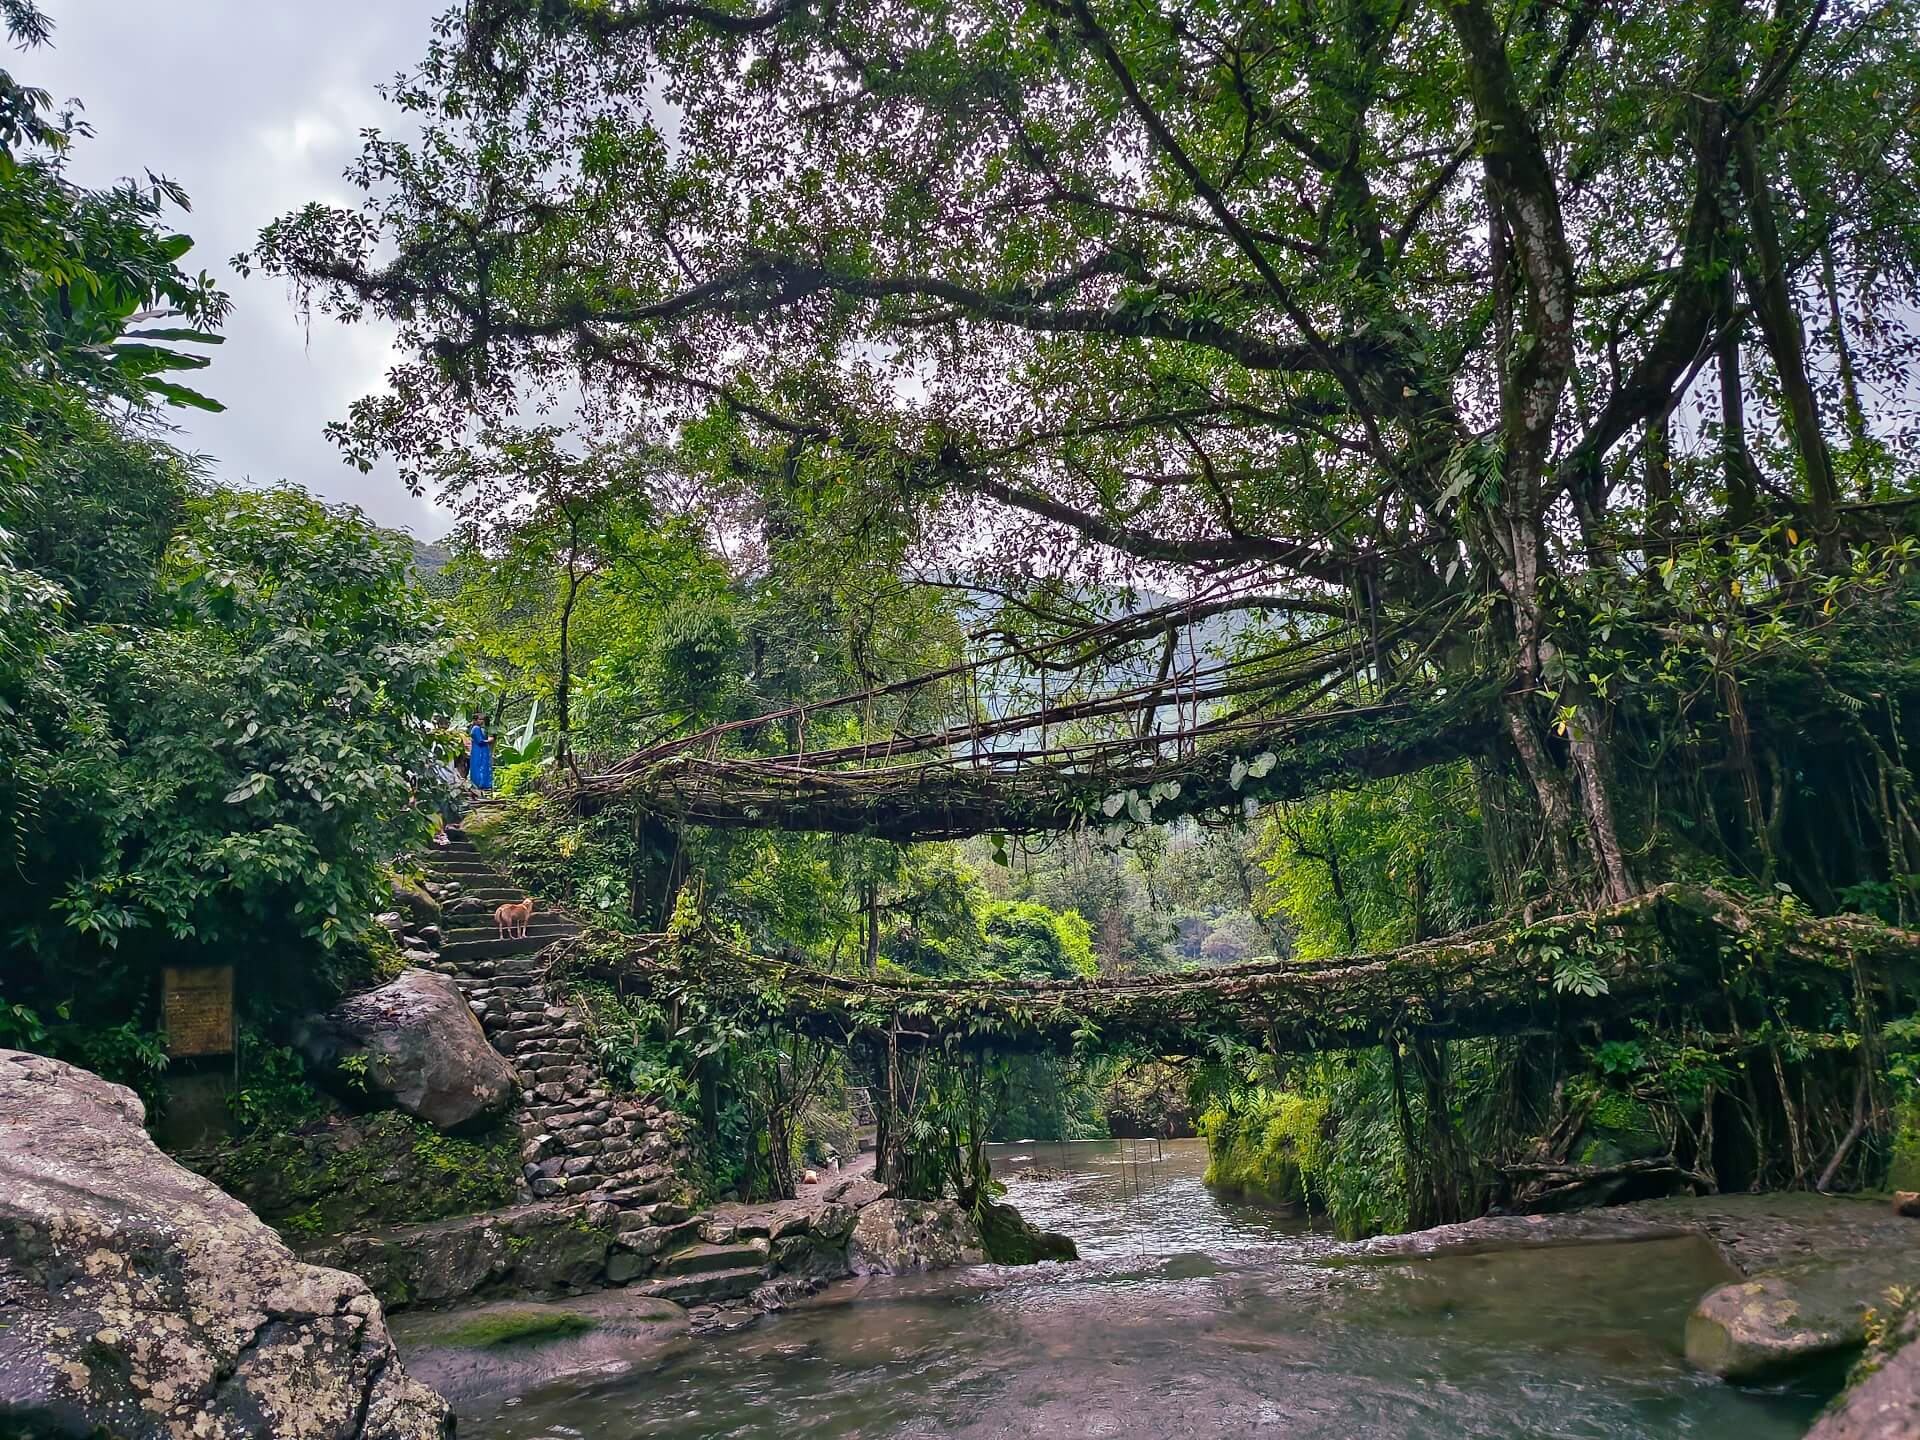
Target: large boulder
<point>141,1301</point>
<point>414,1043</point>
<point>899,1237</point>
<point>1771,1323</point>
<point>416,904</point>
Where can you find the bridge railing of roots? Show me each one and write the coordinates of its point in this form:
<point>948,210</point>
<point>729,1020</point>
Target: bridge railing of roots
<point>1676,948</point>
<point>1141,717</point>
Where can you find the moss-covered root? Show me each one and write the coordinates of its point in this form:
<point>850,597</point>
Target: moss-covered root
<point>1009,1239</point>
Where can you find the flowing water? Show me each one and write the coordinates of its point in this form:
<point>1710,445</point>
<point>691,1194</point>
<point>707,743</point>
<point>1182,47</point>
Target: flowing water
<point>1189,1315</point>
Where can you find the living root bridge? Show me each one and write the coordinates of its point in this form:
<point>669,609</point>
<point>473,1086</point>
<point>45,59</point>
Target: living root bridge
<point>1676,945</point>
<point>1001,792</point>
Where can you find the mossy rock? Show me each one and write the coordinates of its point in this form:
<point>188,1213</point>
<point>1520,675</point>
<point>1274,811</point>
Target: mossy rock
<point>356,1172</point>
<point>516,1325</point>
<point>1009,1238</point>
<point>416,904</point>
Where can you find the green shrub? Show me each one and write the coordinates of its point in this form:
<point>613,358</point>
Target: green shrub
<point>1265,1145</point>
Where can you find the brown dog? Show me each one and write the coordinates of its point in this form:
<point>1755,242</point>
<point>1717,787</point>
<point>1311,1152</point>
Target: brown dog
<point>512,920</point>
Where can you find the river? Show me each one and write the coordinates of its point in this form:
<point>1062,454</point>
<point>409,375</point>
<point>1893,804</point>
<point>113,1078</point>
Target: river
<point>1190,1315</point>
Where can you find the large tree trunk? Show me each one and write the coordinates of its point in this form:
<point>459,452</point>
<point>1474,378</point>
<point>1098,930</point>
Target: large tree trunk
<point>1764,271</point>
<point>1743,487</point>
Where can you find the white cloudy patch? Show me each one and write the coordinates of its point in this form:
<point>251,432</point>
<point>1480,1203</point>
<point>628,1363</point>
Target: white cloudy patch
<point>256,109</point>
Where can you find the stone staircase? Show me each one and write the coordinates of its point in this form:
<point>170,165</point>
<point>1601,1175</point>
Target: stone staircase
<point>605,1173</point>
<point>578,1139</point>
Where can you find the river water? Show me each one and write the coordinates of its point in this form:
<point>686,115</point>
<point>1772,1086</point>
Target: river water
<point>1190,1315</point>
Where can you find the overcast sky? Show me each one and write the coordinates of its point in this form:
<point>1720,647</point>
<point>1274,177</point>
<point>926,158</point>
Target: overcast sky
<point>255,106</point>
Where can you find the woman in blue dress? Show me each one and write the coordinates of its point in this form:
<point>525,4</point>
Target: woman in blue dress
<point>480,754</point>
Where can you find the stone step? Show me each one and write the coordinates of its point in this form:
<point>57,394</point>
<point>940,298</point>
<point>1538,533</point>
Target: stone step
<point>457,951</point>
<point>705,1289</point>
<point>454,948</point>
<point>705,1259</point>
<point>536,926</point>
<point>517,967</point>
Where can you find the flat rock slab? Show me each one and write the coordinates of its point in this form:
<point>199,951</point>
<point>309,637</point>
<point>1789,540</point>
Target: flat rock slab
<point>853,1186</point>
<point>481,1354</point>
<point>1514,1232</point>
<point>1755,1232</point>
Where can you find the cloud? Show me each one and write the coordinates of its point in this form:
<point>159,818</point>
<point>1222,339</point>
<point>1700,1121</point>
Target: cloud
<point>256,108</point>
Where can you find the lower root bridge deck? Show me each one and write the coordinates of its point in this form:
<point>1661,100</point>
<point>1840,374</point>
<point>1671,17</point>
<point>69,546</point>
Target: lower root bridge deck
<point>1674,946</point>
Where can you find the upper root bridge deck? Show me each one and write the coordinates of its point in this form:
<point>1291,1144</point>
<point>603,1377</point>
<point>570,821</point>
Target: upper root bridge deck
<point>908,792</point>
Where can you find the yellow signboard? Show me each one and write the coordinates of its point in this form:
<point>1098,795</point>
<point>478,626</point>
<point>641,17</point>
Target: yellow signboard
<point>196,1009</point>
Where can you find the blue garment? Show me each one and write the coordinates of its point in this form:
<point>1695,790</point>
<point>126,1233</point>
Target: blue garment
<point>480,770</point>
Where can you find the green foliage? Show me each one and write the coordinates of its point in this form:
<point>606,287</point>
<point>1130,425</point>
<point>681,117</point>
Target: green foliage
<point>275,1094</point>
<point>87,275</point>
<point>1265,1144</point>
<point>1148,1098</point>
<point>639,1048</point>
<point>228,767</point>
<point>694,669</point>
<point>1372,868</point>
<point>128,1054</point>
<point>1048,1097</point>
<point>207,698</point>
<point>1030,941</point>
<point>1903,1171</point>
<point>1323,1134</point>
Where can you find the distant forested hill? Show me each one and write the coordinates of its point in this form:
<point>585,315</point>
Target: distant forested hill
<point>430,562</point>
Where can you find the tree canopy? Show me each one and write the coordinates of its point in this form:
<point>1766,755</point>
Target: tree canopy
<point>1460,327</point>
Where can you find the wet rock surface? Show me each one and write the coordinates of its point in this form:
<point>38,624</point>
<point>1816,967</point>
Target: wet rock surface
<point>1774,1321</point>
<point>414,1043</point>
<point>527,1249</point>
<point>139,1300</point>
<point>1883,1400</point>
<point>479,1355</point>
<point>1811,1266</point>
